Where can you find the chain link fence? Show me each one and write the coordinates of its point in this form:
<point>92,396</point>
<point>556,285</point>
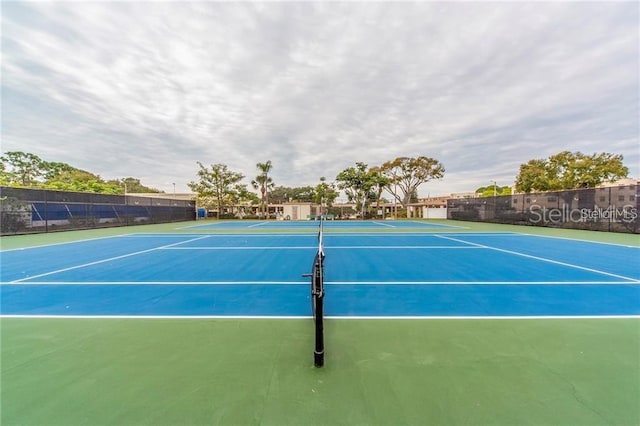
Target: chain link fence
<point>611,209</point>
<point>41,210</point>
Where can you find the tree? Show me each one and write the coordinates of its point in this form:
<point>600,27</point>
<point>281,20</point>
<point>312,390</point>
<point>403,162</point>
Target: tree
<point>216,185</point>
<point>240,194</point>
<point>264,183</point>
<point>28,170</point>
<point>5,179</point>
<point>132,185</point>
<point>325,193</point>
<point>493,190</point>
<point>380,183</point>
<point>357,183</point>
<point>51,170</point>
<point>21,169</point>
<point>237,195</point>
<point>284,194</point>
<point>570,170</point>
<point>409,173</point>
<point>64,177</point>
<point>72,179</point>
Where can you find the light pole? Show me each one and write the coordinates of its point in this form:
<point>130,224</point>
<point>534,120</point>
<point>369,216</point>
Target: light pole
<point>174,190</point>
<point>495,188</point>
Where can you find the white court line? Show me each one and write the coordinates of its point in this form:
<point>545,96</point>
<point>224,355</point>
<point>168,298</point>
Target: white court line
<point>337,283</point>
<point>181,317</point>
<point>242,248</point>
<point>582,241</point>
<point>483,234</point>
<point>257,224</point>
<point>65,242</point>
<point>488,317</point>
<point>181,235</point>
<point>104,260</point>
<point>329,248</point>
<point>384,224</point>
<point>226,235</point>
<point>479,282</point>
<point>138,235</point>
<point>524,234</point>
<point>34,283</point>
<point>400,233</point>
<point>435,225</point>
<point>204,225</point>
<point>330,317</point>
<point>542,259</point>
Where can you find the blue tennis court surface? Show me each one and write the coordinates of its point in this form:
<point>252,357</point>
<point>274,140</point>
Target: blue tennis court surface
<point>368,274</point>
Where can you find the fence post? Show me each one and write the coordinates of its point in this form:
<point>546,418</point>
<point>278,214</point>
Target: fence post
<point>610,215</point>
<point>46,211</point>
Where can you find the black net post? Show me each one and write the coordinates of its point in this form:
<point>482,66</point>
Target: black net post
<point>317,293</point>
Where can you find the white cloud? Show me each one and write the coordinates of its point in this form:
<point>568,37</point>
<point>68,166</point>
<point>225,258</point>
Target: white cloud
<point>148,89</point>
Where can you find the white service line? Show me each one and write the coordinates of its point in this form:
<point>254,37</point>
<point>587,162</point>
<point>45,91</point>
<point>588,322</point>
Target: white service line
<point>241,248</point>
<point>104,260</point>
<point>480,283</point>
<point>257,224</point>
<point>478,317</point>
<point>581,240</point>
<point>178,283</point>
<point>329,248</point>
<point>384,224</point>
<point>543,259</point>
<point>167,317</point>
<point>337,283</point>
<point>65,242</point>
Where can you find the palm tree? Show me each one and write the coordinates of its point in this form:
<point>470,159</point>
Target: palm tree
<point>264,183</point>
<point>380,183</point>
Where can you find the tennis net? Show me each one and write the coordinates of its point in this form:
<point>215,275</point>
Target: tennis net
<point>317,299</point>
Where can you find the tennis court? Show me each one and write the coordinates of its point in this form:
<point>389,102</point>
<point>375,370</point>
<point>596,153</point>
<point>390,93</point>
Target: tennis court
<point>434,322</point>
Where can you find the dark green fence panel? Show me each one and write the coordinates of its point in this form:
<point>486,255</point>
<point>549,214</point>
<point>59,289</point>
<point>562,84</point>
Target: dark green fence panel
<point>25,210</point>
<point>611,209</point>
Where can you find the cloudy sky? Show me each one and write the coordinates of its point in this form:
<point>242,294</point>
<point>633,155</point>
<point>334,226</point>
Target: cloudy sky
<point>147,89</point>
